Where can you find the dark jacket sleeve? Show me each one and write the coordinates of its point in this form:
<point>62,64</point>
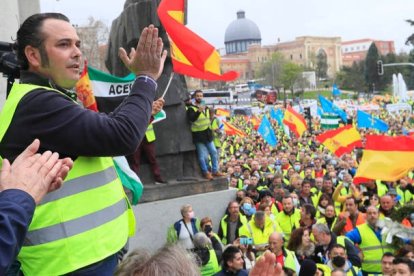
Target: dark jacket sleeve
<point>218,249</point>
<point>67,128</point>
<point>192,115</point>
<point>352,253</point>
<point>16,212</point>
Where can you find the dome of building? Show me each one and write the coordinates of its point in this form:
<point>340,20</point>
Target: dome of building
<point>241,33</point>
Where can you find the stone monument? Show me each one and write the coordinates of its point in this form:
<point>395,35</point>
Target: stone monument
<point>174,147</point>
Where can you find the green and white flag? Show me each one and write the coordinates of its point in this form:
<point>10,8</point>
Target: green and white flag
<point>109,90</point>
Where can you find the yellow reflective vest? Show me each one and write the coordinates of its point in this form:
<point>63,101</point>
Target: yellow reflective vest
<point>202,122</point>
<point>260,237</point>
<point>372,248</point>
<point>288,222</point>
<point>85,221</point>
<point>212,266</point>
<point>150,134</point>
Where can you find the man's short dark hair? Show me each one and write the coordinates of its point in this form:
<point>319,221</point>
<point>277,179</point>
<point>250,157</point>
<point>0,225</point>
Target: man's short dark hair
<point>387,254</point>
<point>198,91</point>
<point>229,254</point>
<point>30,33</point>
<point>309,209</point>
<point>406,261</point>
<point>336,245</point>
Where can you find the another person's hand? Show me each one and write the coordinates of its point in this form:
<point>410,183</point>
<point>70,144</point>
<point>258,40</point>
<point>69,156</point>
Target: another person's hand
<point>34,173</point>
<point>148,58</point>
<point>157,106</point>
<point>266,266</point>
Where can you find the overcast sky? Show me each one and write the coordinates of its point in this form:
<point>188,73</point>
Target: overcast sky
<point>349,19</point>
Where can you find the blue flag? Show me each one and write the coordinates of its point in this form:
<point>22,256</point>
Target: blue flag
<point>277,115</point>
<point>368,121</point>
<point>335,91</point>
<point>330,107</point>
<point>265,129</point>
<point>320,111</point>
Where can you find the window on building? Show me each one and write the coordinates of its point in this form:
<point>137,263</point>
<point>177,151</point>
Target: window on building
<point>291,57</point>
<point>300,56</point>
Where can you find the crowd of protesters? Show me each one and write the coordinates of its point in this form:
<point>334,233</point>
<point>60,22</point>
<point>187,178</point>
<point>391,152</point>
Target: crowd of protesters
<point>298,201</point>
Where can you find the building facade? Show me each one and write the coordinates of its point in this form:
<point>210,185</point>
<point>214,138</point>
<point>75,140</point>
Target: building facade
<point>241,33</point>
<point>356,50</point>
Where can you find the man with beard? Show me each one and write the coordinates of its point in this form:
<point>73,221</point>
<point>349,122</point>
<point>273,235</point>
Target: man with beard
<point>289,218</point>
<point>231,223</point>
<point>199,116</point>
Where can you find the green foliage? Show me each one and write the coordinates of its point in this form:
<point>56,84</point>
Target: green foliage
<point>402,213</point>
<point>370,70</point>
<point>352,78</point>
<point>291,72</point>
<point>271,70</point>
<point>321,65</point>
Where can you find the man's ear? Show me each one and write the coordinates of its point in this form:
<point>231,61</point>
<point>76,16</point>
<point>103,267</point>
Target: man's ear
<point>33,56</point>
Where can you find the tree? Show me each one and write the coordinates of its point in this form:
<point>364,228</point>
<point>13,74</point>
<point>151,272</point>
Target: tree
<point>410,39</point>
<point>321,65</point>
<point>352,77</point>
<point>290,74</point>
<point>372,79</point>
<point>271,71</point>
<point>93,35</point>
<point>410,82</point>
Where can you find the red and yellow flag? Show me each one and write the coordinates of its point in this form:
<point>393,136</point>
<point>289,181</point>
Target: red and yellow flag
<point>341,140</point>
<point>191,55</point>
<point>84,90</point>
<point>232,130</point>
<point>295,122</point>
<point>223,112</point>
<point>386,158</point>
<point>255,122</point>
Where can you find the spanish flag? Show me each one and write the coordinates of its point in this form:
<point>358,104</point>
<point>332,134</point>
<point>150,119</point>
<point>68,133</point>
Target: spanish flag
<point>255,122</point>
<point>84,90</point>
<point>341,140</point>
<point>232,130</point>
<point>295,122</point>
<point>223,112</point>
<point>386,158</point>
<point>191,55</point>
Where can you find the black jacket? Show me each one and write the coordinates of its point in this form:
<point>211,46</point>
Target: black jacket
<point>71,130</point>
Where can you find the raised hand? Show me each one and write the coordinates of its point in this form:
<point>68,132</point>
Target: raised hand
<point>148,58</point>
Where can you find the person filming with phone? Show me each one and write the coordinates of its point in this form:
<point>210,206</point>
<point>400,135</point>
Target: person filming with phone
<point>206,225</point>
<point>199,116</point>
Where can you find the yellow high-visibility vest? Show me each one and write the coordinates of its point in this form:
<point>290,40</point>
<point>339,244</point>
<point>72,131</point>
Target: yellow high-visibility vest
<point>85,221</point>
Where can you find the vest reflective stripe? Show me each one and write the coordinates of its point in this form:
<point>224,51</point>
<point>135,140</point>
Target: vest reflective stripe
<point>373,249</point>
<point>82,184</point>
<point>80,225</point>
<point>202,123</point>
<point>150,134</point>
<point>76,226</point>
<point>212,266</point>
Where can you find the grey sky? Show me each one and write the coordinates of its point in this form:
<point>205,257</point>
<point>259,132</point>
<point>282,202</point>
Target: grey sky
<point>349,19</point>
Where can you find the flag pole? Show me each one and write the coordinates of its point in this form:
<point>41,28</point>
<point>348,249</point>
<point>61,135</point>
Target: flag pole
<point>168,85</point>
